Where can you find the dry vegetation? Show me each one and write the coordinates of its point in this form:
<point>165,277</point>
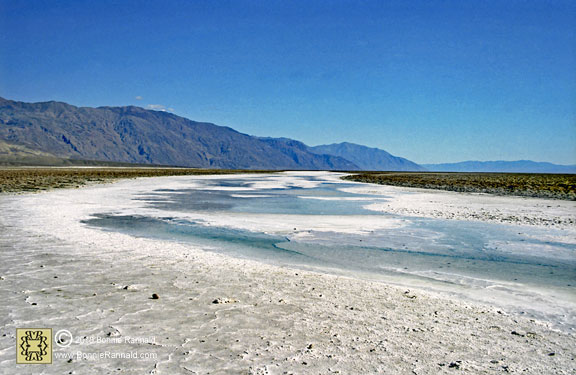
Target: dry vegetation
<point>37,179</point>
<point>557,186</point>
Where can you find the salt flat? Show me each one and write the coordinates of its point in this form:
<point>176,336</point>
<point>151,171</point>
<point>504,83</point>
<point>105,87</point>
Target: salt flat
<point>221,314</point>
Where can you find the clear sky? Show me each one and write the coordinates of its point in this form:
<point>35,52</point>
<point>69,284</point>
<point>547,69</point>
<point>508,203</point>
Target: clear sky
<point>432,81</point>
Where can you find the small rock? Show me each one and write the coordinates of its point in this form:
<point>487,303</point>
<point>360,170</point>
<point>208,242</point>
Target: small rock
<point>551,354</point>
<point>455,365</point>
<point>155,296</point>
<point>407,295</point>
<point>224,300</point>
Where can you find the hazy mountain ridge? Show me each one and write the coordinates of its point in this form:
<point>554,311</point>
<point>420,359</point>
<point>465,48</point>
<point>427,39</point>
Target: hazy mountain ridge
<point>518,166</point>
<point>136,135</point>
<point>367,158</point>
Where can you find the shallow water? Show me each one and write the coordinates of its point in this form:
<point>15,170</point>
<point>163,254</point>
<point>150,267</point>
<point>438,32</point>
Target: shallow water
<point>524,269</point>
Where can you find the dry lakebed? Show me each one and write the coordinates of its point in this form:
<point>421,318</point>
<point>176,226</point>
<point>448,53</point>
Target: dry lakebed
<point>288,273</point>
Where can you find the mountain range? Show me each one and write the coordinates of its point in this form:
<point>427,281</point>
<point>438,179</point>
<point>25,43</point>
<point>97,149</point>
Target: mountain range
<point>136,135</point>
<point>57,133</point>
<point>519,166</point>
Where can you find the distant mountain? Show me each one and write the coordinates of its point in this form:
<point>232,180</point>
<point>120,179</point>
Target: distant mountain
<point>519,166</point>
<point>136,135</point>
<point>367,158</point>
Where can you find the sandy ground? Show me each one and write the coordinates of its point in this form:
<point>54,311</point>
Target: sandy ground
<point>222,315</point>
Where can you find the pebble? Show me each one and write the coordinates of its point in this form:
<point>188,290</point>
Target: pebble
<point>455,365</point>
<point>224,300</point>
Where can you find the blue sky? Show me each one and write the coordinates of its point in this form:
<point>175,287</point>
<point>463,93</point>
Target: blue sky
<point>432,81</point>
